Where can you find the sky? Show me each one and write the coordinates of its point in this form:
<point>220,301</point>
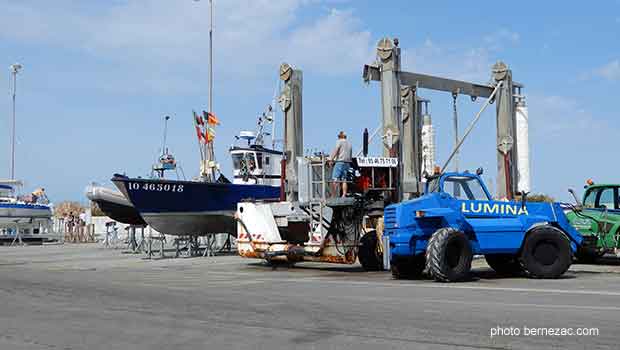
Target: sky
<point>99,77</point>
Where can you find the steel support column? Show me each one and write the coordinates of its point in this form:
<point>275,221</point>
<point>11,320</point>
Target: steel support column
<point>291,103</point>
<point>507,175</point>
<point>386,70</point>
<point>411,140</point>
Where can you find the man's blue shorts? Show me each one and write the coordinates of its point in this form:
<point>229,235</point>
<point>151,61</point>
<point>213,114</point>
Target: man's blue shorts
<point>339,173</point>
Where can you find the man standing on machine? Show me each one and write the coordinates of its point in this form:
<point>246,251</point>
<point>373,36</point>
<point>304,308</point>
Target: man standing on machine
<point>341,156</point>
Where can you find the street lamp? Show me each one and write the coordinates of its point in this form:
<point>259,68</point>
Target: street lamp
<point>14,68</point>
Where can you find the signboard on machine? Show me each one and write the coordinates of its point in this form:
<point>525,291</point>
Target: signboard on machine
<point>378,162</point>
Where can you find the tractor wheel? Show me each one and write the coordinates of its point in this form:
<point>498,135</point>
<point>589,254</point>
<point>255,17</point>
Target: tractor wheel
<point>368,254</point>
<point>504,264</point>
<point>408,268</point>
<point>546,253</point>
<point>449,255</point>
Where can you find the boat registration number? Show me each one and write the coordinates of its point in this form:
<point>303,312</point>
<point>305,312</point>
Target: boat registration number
<point>156,187</point>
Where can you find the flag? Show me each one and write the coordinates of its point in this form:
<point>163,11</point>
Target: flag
<point>199,134</point>
<point>211,118</point>
<point>209,134</point>
<point>211,131</point>
<point>198,119</point>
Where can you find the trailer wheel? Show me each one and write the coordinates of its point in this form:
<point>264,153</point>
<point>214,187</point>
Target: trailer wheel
<point>546,253</point>
<point>504,264</point>
<point>449,255</point>
<point>409,267</point>
<point>368,254</point>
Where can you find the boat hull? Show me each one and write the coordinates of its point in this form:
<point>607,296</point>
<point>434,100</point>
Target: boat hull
<point>15,213</point>
<point>114,205</point>
<point>185,208</point>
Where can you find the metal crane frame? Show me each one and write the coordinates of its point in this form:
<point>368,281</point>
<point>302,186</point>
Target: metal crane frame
<point>396,83</point>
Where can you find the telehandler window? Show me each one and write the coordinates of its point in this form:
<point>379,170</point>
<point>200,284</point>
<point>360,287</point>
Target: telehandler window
<point>464,187</point>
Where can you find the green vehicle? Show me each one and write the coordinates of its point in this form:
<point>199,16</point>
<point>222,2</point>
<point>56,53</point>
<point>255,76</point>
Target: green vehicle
<point>597,218</point>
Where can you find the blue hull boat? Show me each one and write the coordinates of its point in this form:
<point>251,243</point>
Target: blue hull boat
<point>188,208</point>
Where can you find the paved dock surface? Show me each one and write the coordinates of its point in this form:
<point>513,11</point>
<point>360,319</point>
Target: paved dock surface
<point>86,297</point>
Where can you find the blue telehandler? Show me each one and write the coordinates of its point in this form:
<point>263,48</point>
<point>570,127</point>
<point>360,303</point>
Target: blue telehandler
<point>457,218</point>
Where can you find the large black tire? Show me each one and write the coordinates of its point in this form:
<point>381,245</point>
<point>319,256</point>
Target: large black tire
<point>408,267</point>
<point>449,255</point>
<point>504,264</point>
<point>546,253</point>
<point>368,253</point>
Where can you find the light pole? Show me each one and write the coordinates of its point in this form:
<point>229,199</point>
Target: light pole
<point>15,68</point>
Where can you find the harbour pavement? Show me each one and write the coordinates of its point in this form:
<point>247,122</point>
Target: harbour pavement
<point>86,297</point>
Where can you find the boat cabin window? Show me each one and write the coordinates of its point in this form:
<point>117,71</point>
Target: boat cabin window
<point>236,159</point>
<point>259,160</point>
<point>246,159</point>
<point>267,160</point>
<point>6,194</point>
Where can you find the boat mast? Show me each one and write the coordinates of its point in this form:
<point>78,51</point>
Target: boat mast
<point>210,144</point>
<point>211,57</point>
<point>15,68</point>
<point>163,147</point>
<point>208,170</point>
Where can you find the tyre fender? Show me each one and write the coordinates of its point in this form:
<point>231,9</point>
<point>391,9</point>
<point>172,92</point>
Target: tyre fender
<point>544,224</point>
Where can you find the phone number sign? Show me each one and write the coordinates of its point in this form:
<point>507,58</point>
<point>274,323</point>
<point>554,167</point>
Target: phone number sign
<point>381,162</point>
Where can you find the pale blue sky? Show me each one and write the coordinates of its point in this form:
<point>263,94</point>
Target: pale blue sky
<point>100,75</point>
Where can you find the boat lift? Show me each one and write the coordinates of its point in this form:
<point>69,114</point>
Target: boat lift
<point>512,168</point>
<point>308,225</point>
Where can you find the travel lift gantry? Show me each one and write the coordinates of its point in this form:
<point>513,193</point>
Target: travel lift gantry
<point>309,224</point>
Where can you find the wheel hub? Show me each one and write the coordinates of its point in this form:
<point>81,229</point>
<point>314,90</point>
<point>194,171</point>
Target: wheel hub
<point>453,253</point>
<point>546,253</point>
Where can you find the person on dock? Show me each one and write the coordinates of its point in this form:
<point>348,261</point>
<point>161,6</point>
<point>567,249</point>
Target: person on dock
<point>341,158</point>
